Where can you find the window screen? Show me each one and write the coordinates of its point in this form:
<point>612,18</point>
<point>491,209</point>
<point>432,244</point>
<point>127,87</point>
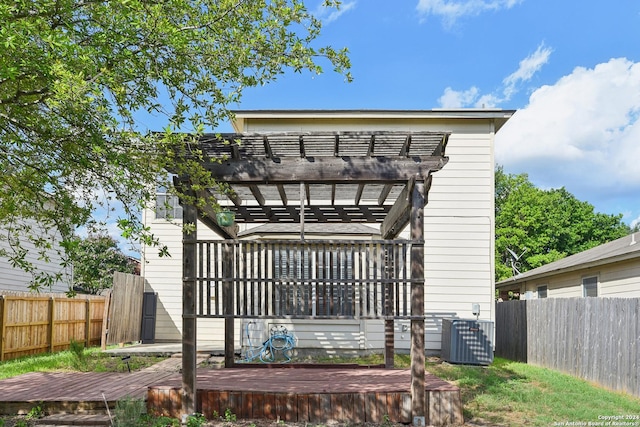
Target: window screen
<point>168,207</point>
<point>542,291</point>
<point>590,287</point>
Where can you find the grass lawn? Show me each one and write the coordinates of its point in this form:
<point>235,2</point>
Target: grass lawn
<point>503,394</point>
<point>511,394</point>
<point>76,359</point>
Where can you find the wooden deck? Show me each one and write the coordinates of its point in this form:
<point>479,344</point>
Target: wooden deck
<point>315,395</point>
<point>74,392</point>
<point>311,395</point>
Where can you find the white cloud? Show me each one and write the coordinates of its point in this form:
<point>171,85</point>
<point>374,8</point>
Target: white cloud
<point>473,98</point>
<point>582,132</point>
<point>328,15</point>
<point>458,99</point>
<point>452,10</point>
<point>528,67</point>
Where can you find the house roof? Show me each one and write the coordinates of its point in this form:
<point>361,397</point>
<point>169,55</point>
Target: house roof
<point>499,116</point>
<point>622,249</point>
<point>312,228</point>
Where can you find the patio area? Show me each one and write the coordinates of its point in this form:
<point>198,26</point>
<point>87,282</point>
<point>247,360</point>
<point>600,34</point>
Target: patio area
<point>295,393</point>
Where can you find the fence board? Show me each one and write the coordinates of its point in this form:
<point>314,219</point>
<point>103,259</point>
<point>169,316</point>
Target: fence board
<point>125,308</point>
<point>511,331</point>
<point>597,339</point>
<point>32,324</point>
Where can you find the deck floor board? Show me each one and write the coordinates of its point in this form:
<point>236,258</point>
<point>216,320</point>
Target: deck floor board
<point>292,393</point>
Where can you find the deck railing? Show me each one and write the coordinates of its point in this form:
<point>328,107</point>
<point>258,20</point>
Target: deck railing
<point>304,279</point>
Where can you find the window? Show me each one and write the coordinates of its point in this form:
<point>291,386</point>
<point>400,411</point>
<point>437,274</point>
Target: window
<point>322,272</point>
<point>168,206</point>
<point>542,291</point>
<point>590,287</point>
<point>291,263</point>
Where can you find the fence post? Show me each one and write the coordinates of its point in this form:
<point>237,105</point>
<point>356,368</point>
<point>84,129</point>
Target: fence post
<point>105,321</point>
<point>87,323</point>
<point>51,323</point>
<point>3,322</point>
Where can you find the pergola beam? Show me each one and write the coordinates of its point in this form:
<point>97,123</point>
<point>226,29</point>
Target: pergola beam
<point>257,194</point>
<point>324,170</point>
<point>384,194</point>
<point>283,195</point>
<point>400,213</point>
<point>322,214</point>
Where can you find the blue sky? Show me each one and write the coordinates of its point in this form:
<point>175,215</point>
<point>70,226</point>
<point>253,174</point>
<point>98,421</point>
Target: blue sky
<point>571,69</point>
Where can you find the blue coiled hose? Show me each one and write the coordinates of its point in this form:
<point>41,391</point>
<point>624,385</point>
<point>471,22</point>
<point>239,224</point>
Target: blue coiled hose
<point>280,340</point>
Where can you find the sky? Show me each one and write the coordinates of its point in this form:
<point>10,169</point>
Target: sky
<point>571,69</point>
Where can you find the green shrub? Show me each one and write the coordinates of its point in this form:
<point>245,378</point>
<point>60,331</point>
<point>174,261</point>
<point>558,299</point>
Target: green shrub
<point>196,420</point>
<point>129,412</point>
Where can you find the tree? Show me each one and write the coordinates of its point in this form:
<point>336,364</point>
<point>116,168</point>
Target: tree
<point>95,259</point>
<point>542,226</point>
<point>76,76</point>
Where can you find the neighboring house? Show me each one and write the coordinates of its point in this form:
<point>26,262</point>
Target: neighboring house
<point>459,230</point>
<point>15,279</point>
<point>608,270</point>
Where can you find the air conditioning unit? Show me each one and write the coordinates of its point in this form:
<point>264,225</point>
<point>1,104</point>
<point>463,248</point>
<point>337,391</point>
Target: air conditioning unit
<point>467,341</point>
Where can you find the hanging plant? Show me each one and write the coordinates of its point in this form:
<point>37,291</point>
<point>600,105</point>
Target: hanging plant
<point>225,218</point>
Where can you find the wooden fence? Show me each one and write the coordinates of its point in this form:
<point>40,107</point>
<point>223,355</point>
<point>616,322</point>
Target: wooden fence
<point>37,323</point>
<point>597,339</point>
<point>125,308</point>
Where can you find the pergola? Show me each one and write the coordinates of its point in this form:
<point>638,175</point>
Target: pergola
<point>380,177</point>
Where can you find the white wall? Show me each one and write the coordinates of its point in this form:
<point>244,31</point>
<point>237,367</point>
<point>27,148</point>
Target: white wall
<point>164,276</point>
<point>15,279</point>
<point>616,280</point>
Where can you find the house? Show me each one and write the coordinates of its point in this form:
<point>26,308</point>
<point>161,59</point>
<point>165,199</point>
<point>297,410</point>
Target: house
<point>608,270</point>
<point>15,279</point>
<point>458,226</point>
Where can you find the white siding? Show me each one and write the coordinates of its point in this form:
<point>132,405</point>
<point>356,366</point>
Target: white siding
<point>459,235</point>
<point>618,280</point>
<point>621,280</point>
<point>15,279</point>
<point>164,276</point>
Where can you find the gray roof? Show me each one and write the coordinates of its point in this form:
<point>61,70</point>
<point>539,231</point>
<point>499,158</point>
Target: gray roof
<point>311,228</point>
<point>622,249</point>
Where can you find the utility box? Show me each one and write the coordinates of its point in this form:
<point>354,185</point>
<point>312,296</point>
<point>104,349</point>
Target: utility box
<point>467,341</point>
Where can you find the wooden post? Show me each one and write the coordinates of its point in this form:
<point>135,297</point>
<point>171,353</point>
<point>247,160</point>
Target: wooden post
<point>189,339</point>
<point>105,320</point>
<point>3,323</point>
<point>389,347</point>
<point>51,330</point>
<point>418,403</point>
<point>87,323</point>
<point>227,302</point>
